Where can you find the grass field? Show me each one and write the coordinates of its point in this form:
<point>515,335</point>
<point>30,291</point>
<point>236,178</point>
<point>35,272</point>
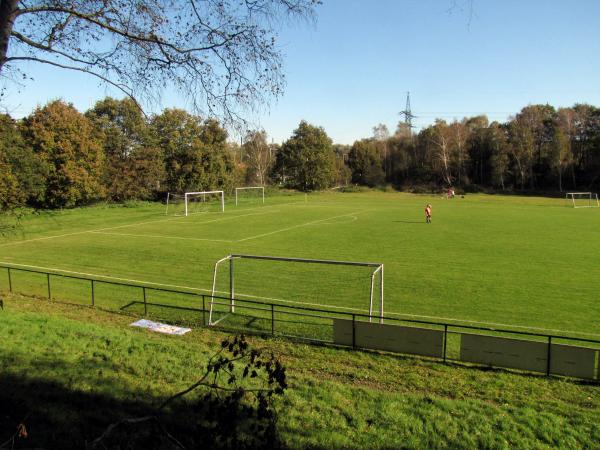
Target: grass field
<point>516,261</point>
<point>58,360</point>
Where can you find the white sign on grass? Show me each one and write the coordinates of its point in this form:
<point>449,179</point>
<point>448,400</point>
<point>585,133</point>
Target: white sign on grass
<point>160,327</point>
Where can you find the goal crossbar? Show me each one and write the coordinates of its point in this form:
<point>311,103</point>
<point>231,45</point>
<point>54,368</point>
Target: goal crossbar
<point>204,193</point>
<point>186,199</point>
<point>246,188</point>
<point>378,271</point>
<point>592,199</point>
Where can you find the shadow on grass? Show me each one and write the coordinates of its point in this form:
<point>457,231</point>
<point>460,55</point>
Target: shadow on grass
<point>56,417</point>
<point>408,221</point>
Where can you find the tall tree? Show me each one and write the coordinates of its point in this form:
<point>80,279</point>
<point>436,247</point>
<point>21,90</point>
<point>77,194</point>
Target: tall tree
<point>306,160</point>
<point>26,167</point>
<point>134,163</point>
<point>365,162</point>
<point>196,153</point>
<point>221,55</point>
<point>258,157</point>
<point>64,139</point>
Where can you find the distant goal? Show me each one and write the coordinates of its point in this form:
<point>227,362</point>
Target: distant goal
<point>252,194</point>
<point>582,199</point>
<point>195,203</point>
<point>313,284</point>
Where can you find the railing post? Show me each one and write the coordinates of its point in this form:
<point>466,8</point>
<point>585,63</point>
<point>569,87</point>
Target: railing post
<point>9,280</point>
<point>145,304</point>
<point>445,340</point>
<point>549,354</point>
<point>49,292</point>
<point>353,330</point>
<point>272,319</point>
<point>93,299</point>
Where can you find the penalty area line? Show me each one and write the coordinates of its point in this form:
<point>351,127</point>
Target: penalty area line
<point>300,225</point>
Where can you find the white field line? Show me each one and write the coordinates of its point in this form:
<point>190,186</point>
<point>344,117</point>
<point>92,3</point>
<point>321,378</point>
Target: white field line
<point>299,225</point>
<point>189,288</point>
<point>97,230</point>
<point>158,236</point>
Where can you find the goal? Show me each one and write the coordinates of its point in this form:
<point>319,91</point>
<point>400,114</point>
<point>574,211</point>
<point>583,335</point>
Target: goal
<point>582,199</point>
<point>344,286</point>
<point>249,192</point>
<point>195,202</point>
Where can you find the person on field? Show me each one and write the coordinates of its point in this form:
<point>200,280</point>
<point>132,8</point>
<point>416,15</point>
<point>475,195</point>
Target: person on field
<point>428,214</point>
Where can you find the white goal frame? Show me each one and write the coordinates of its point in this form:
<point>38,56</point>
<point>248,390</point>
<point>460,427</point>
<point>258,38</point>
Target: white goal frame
<point>247,188</point>
<point>377,270</point>
<point>187,195</point>
<point>591,196</point>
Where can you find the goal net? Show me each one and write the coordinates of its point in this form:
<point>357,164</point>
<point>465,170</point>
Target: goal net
<point>195,203</point>
<point>242,284</point>
<point>249,194</point>
<point>582,199</point>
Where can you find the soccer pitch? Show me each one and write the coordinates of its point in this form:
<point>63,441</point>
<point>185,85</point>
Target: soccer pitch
<point>508,261</point>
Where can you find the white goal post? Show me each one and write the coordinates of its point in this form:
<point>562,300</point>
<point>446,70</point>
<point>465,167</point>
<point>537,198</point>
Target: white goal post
<point>245,188</point>
<point>270,273</point>
<point>188,198</point>
<point>586,199</point>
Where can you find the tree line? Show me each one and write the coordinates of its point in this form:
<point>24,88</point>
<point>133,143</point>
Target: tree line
<point>58,157</point>
<point>541,148</point>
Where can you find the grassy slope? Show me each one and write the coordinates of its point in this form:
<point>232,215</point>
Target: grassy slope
<point>62,356</point>
<point>513,260</point>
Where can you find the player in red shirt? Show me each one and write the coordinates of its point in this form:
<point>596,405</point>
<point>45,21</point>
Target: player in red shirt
<point>428,213</point>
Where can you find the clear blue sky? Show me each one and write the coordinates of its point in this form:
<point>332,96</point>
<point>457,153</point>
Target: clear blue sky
<point>352,68</point>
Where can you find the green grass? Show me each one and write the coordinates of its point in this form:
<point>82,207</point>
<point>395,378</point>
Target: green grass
<point>518,261</point>
<point>73,370</point>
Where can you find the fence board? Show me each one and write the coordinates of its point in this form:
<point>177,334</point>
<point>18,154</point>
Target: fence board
<point>504,352</point>
<point>393,338</point>
<point>572,361</point>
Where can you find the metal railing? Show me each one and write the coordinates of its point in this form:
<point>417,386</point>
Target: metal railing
<point>261,317</point>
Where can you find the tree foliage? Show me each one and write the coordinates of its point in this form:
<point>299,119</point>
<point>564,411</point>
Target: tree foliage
<point>221,55</point>
<point>306,161</point>
<point>65,142</point>
<point>258,157</point>
<point>134,164</point>
<point>196,154</point>
<point>365,161</point>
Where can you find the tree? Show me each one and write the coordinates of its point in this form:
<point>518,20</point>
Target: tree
<point>134,163</point>
<point>25,166</point>
<point>306,161</point>
<point>64,140</point>
<point>258,157</point>
<point>365,162</point>
<point>441,138</point>
<point>196,153</point>
<point>221,55</point>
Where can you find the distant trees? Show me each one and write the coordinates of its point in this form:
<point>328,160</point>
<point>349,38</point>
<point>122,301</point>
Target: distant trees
<point>306,161</point>
<point>540,148</point>
<point>60,158</point>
